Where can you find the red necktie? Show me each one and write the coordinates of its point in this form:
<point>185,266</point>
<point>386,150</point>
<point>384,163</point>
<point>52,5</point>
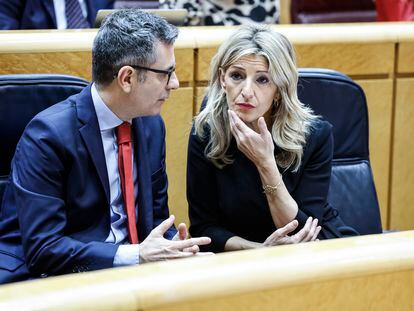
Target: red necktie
<point>123,133</point>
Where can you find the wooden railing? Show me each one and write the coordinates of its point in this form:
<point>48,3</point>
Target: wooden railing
<point>362,273</point>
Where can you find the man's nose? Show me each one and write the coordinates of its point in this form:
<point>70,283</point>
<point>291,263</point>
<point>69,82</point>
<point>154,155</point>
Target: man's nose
<point>173,84</point>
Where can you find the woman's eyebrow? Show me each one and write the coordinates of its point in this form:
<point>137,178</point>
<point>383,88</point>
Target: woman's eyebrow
<point>237,66</point>
<point>242,68</point>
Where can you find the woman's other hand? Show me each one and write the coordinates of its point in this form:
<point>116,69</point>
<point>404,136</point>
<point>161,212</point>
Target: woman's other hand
<point>309,232</point>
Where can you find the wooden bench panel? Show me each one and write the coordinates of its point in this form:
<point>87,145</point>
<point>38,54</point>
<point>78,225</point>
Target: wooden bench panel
<point>406,58</point>
<point>402,194</point>
<point>177,113</point>
<point>379,100</point>
<point>343,274</point>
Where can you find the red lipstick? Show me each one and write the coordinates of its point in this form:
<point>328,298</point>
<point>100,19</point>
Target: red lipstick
<point>246,106</point>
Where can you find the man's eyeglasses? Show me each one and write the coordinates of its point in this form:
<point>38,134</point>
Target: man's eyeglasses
<point>168,72</point>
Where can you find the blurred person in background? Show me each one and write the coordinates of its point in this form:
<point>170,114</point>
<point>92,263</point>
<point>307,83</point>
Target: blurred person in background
<point>50,14</point>
<point>226,12</point>
<point>395,10</point>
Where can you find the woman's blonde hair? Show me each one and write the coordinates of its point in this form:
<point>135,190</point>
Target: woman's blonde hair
<point>291,119</point>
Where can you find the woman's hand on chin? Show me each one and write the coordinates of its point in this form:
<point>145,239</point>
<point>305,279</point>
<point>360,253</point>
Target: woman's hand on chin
<point>256,144</point>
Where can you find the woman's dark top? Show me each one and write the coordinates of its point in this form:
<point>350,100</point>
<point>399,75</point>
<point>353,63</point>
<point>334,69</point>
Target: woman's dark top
<point>230,201</point>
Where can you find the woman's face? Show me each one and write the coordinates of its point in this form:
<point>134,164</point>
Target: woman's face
<point>249,89</point>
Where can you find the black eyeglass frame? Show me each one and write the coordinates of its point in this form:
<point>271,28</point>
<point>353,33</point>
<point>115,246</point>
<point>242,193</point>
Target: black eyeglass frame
<point>168,72</point>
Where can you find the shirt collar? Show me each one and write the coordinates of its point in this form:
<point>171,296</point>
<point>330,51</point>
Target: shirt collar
<point>106,118</point>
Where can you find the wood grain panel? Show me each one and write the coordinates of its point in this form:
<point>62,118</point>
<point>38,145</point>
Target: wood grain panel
<point>177,113</point>
<point>406,57</point>
<point>69,63</point>
<point>402,195</point>
<point>377,292</point>
<point>203,58</point>
<point>339,33</point>
<point>78,63</point>
<point>379,99</point>
<point>50,40</point>
<point>351,59</point>
<point>185,64</point>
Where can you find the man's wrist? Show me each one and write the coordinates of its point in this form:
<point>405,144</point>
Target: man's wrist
<point>127,255</point>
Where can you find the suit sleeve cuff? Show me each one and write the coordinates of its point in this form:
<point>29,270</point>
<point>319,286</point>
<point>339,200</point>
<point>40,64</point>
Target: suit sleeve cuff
<point>127,255</point>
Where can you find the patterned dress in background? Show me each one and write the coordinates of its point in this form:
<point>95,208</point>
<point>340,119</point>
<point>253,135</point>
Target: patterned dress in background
<point>226,12</point>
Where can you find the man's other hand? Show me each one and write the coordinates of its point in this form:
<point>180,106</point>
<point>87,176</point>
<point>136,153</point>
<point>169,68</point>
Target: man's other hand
<point>155,247</point>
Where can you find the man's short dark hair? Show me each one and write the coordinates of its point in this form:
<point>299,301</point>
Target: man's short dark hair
<point>128,37</point>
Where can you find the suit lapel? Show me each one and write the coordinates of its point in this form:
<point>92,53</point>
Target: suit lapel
<point>95,5</point>
<point>91,136</point>
<point>50,8</point>
<point>145,212</point>
<point>91,12</point>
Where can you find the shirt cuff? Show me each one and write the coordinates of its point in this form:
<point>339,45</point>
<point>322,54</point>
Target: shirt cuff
<point>127,255</point>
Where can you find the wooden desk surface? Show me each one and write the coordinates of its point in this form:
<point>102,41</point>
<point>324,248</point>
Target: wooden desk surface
<point>259,274</point>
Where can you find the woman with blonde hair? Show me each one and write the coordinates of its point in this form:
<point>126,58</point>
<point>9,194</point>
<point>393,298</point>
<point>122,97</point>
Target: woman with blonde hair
<point>259,160</point>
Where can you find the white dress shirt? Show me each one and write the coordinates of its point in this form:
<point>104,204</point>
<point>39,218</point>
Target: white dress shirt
<point>127,254</point>
<point>60,12</point>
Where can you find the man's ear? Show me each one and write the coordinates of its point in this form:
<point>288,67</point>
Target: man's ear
<point>125,78</point>
<point>222,75</point>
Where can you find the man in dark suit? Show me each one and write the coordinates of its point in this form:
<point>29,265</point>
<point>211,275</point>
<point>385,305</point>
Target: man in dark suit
<point>43,14</point>
<point>67,208</point>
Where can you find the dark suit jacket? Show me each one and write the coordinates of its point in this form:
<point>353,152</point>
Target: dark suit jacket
<point>55,214</point>
<point>40,14</point>
<point>230,202</point>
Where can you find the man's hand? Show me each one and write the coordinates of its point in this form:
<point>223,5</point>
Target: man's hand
<point>181,235</point>
<point>155,247</point>
<point>309,232</point>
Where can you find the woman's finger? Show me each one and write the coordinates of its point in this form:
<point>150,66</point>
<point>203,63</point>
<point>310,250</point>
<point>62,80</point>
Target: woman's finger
<point>280,236</point>
<point>240,126</point>
<point>304,231</point>
<point>262,127</point>
<point>236,126</point>
<point>233,128</point>
<point>285,230</point>
<point>317,231</point>
<point>180,245</point>
<point>312,230</point>
<point>231,122</point>
<point>193,249</point>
